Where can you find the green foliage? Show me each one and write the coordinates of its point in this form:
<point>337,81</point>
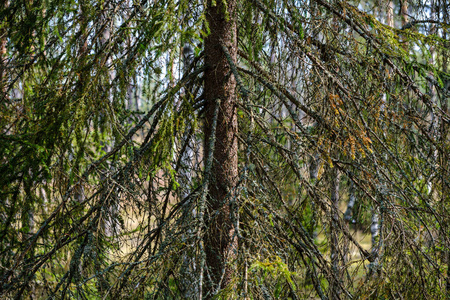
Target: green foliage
<point>102,150</point>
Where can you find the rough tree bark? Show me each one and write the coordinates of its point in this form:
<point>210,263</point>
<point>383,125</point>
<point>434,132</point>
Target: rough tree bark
<point>220,85</point>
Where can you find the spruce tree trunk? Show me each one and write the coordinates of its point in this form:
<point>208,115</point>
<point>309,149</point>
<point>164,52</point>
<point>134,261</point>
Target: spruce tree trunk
<point>220,85</point>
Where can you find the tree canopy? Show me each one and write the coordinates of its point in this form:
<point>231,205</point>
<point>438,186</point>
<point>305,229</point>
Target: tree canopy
<point>228,149</point>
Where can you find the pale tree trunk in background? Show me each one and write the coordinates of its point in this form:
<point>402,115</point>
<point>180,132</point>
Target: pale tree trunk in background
<point>376,239</point>
<point>76,265</point>
<point>28,209</point>
<point>404,11</point>
<point>171,70</point>
<point>82,44</point>
<point>337,252</point>
<point>314,164</point>
<point>314,157</point>
<point>132,84</point>
<point>336,257</point>
<point>220,238</point>
<point>432,89</point>
<point>130,103</point>
<point>112,202</point>
<point>134,99</point>
<point>404,15</point>
<point>189,268</point>
<point>374,230</point>
<point>348,215</point>
<point>375,225</point>
<point>390,13</point>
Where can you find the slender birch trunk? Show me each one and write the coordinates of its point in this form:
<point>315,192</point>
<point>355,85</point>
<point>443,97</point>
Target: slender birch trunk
<point>189,268</point>
<point>348,215</point>
<point>336,260</point>
<point>376,218</point>
<point>113,206</point>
